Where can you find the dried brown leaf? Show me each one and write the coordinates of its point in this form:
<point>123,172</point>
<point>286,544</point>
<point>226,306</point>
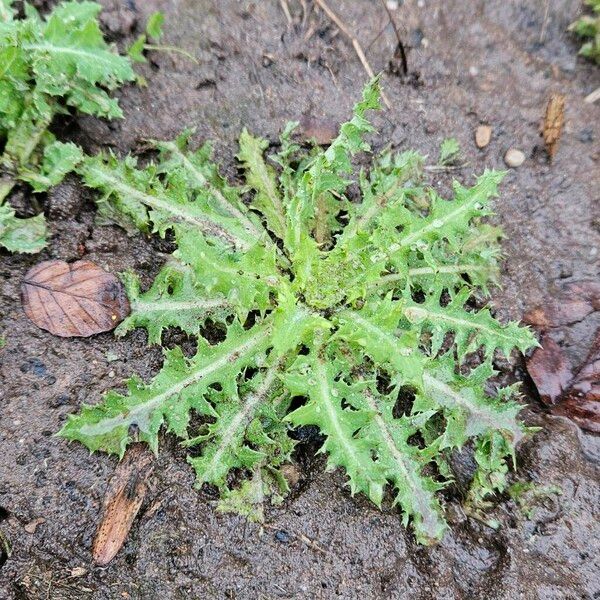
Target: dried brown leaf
<point>582,401</point>
<point>124,497</point>
<point>73,300</point>
<point>575,303</point>
<point>554,119</point>
<point>550,370</point>
<point>320,131</point>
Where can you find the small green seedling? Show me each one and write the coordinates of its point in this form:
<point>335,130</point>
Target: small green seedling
<point>449,152</point>
<point>526,494</point>
<point>342,299</point>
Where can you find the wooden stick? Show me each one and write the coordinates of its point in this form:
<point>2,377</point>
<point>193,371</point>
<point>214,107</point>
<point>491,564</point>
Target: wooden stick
<point>355,44</point>
<point>591,98</point>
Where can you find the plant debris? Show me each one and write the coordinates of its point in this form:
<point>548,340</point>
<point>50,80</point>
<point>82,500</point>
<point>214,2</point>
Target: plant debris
<point>124,497</point>
<point>554,120</point>
<point>575,396</point>
<point>550,370</point>
<point>73,300</point>
<point>581,402</point>
<point>33,525</point>
<point>576,301</point>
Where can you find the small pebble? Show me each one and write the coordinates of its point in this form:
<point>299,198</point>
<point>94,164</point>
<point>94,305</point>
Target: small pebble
<point>33,525</point>
<point>473,71</point>
<point>514,158</point>
<point>392,4</point>
<point>483,135</point>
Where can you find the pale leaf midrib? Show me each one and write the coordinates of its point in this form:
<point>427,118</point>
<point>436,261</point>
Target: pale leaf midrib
<point>324,399</point>
<point>169,207</point>
<point>224,203</point>
<point>240,419</point>
<point>399,458</point>
<point>152,306</point>
<point>464,323</point>
<point>146,407</point>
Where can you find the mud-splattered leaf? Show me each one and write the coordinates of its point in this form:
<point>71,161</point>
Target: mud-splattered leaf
<point>550,370</point>
<point>124,497</point>
<point>73,300</point>
<point>554,119</point>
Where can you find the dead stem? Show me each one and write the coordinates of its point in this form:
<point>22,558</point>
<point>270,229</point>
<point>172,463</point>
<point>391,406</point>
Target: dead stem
<point>286,11</point>
<point>355,43</point>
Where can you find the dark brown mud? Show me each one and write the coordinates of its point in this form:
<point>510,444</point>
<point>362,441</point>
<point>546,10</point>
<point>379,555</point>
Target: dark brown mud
<point>471,63</point>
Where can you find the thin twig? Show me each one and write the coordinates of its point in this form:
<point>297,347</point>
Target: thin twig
<point>545,22</point>
<point>286,11</point>
<point>355,43</point>
<point>397,32</point>
<point>171,49</point>
<point>305,12</point>
<point>591,98</point>
<point>446,167</point>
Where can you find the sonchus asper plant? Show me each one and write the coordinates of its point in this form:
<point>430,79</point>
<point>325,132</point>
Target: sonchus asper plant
<point>335,296</point>
<point>48,66</point>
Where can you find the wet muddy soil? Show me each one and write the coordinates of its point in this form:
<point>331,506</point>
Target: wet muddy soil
<point>474,62</point>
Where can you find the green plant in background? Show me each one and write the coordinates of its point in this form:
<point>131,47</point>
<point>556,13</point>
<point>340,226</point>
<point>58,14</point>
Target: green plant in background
<point>588,28</point>
<point>48,66</point>
<point>329,310</point>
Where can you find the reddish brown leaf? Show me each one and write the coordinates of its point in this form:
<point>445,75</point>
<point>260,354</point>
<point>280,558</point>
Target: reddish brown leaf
<point>125,494</point>
<point>582,410</point>
<point>73,300</point>
<point>321,131</point>
<point>582,401</point>
<point>550,370</point>
<point>576,301</point>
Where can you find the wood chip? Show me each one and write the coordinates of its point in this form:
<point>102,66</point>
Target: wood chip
<point>73,300</point>
<point>483,135</point>
<point>554,120</point>
<point>124,497</point>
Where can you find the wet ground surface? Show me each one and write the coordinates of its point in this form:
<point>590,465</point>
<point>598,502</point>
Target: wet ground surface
<point>471,63</point>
